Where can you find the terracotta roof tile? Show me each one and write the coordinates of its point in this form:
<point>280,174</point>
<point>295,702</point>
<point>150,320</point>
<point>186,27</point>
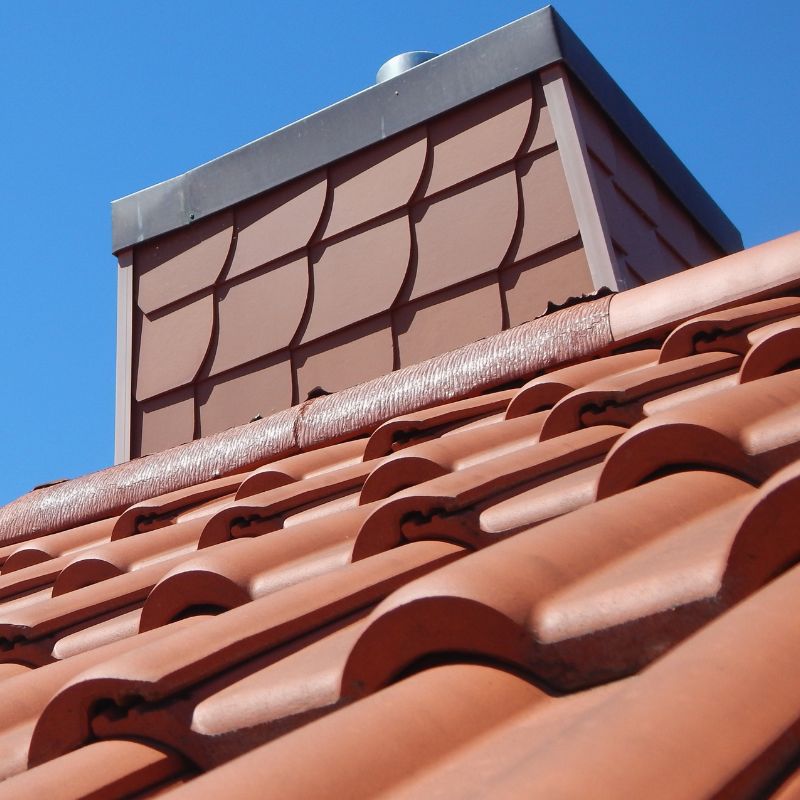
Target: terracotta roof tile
<point>570,587</point>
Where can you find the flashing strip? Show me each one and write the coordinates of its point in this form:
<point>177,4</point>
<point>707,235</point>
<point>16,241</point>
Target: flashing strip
<point>432,88</point>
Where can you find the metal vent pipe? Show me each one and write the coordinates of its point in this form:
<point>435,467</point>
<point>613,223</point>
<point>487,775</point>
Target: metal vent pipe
<point>399,64</point>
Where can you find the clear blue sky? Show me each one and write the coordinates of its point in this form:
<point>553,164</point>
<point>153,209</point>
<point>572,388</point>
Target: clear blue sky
<point>100,99</point>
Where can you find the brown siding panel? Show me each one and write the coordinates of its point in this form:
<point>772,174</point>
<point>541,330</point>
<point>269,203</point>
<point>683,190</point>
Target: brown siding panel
<point>358,277</point>
<point>654,233</point>
<point>181,263</point>
<point>259,315</point>
<point>172,347</point>
<point>278,223</point>
<point>541,132</point>
<point>433,238</point>
<point>375,181</point>
<point>449,319</point>
<point>547,212</point>
<point>465,233</point>
<point>402,243</point>
<point>528,285</point>
<point>163,422</point>
<point>238,396</point>
<point>345,358</point>
<point>481,135</point>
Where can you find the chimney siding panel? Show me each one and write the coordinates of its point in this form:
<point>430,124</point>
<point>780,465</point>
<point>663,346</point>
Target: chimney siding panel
<point>479,136</point>
<point>527,286</point>
<point>358,277</point>
<point>454,317</point>
<point>278,223</point>
<point>376,181</point>
<point>259,314</point>
<point>237,396</point>
<point>652,233</point>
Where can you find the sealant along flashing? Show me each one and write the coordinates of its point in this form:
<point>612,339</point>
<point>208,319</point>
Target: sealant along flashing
<point>413,97</point>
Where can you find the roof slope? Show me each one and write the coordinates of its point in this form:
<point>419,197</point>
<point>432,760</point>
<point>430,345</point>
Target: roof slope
<point>578,583</point>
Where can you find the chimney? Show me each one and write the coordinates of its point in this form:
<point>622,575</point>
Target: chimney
<point>441,206</point>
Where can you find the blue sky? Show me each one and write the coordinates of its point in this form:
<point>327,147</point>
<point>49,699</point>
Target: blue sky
<point>100,99</point>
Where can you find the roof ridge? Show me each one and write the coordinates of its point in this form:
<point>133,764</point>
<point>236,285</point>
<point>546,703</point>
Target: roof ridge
<point>571,333</point>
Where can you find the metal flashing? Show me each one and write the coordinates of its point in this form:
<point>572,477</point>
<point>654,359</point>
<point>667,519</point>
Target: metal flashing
<point>429,89</point>
<point>574,156</point>
<point>124,369</point>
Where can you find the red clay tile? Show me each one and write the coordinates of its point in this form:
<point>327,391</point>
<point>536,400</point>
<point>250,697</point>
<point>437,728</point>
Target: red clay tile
<point>789,789</point>
<point>33,691</point>
<point>167,508</point>
<point>35,629</point>
<point>479,136</point>
<point>763,271</point>
<point>216,717</point>
<point>278,223</point>
<point>267,511</point>
<point>461,449</point>
<point>302,465</point>
<point>173,347</point>
<point>183,262</point>
<point>358,277</point>
<point>223,644</point>
<point>727,330</point>
<point>701,696</point>
<point>376,180</point>
<point>448,507</point>
<point>58,544</point>
<point>24,581</point>
<point>431,718</point>
<point>464,233</point>
<point>545,391</point>
<point>123,555</point>
<point>260,314</point>
<point>495,604</point>
<point>128,769</point>
<point>11,670</point>
<point>526,507</point>
<point>401,431</point>
<point>232,572</point>
<point>749,430</point>
<point>622,399</point>
<point>775,348</point>
<point>342,626</point>
<point>690,700</point>
<point>121,626</point>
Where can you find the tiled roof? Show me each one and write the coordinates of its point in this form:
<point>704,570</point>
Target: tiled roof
<point>580,584</point>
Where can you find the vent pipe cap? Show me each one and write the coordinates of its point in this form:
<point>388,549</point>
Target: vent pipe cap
<point>405,61</point>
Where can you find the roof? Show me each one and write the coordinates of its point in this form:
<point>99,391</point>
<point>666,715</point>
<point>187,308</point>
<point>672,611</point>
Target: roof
<point>436,86</point>
<point>579,581</point>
